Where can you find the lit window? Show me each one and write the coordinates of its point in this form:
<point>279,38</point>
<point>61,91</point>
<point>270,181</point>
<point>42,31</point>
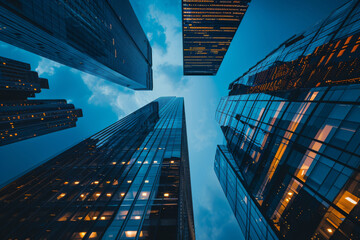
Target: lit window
<point>93,235</point>
<point>171,161</point>
<point>129,181</point>
<point>122,194</point>
<point>102,218</point>
<point>166,195</point>
<point>82,234</point>
<point>137,217</point>
<point>97,194</point>
<point>61,196</point>
<point>144,194</point>
<point>76,183</point>
<point>347,202</point>
<point>146,181</point>
<point>108,194</point>
<point>130,234</point>
<point>329,230</point>
<point>66,183</point>
<point>113,163</point>
<point>96,182</point>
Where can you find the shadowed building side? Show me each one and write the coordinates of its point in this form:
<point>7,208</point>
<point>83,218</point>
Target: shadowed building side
<point>128,181</point>
<point>103,38</point>
<point>290,166</point>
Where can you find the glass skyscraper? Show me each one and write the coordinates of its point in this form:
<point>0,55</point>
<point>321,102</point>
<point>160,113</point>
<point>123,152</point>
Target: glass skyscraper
<point>22,118</point>
<point>208,29</point>
<point>103,38</point>
<point>129,181</point>
<point>290,165</point>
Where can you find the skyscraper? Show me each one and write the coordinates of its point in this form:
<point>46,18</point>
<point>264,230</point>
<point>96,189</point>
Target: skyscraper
<point>290,166</point>
<point>129,181</point>
<point>21,118</point>
<point>100,37</point>
<point>208,29</point>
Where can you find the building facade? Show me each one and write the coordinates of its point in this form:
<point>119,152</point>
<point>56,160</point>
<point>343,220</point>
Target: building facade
<point>290,166</point>
<point>129,181</point>
<point>22,118</point>
<point>208,29</point>
<point>103,38</point>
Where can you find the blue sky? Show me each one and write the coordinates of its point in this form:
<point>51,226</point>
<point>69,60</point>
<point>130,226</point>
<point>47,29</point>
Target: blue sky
<point>265,25</point>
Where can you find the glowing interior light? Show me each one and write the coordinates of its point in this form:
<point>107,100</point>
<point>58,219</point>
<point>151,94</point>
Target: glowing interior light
<point>146,181</point>
<point>171,161</point>
<point>122,162</point>
<point>290,193</point>
<point>145,148</point>
<point>129,181</point>
<point>82,234</point>
<point>160,148</point>
<point>96,182</point>
<point>137,217</point>
<point>102,218</point>
<point>329,230</point>
<point>113,163</point>
<point>76,183</point>
<point>130,234</point>
<point>122,194</point>
<point>144,194</point>
<point>108,194</point>
<point>82,195</point>
<point>108,182</point>
<point>351,200</point>
<point>62,195</point>
<point>66,183</point>
<point>146,162</point>
<point>139,161</point>
<point>287,199</point>
<point>98,194</point>
<point>93,235</point>
<point>155,161</point>
<point>166,195</point>
<point>94,218</point>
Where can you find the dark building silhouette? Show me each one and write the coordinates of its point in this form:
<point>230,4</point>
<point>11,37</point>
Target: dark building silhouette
<point>208,29</point>
<point>21,118</point>
<point>100,37</point>
<point>129,181</point>
<point>290,166</point>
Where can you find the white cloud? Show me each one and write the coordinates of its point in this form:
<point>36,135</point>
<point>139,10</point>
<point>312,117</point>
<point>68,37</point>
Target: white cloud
<point>47,66</point>
<point>171,28</point>
<point>149,36</point>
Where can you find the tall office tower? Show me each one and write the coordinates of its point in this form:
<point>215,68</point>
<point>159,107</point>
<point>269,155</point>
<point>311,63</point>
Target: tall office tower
<point>129,181</point>
<point>208,29</point>
<point>290,166</point>
<point>21,118</point>
<point>100,37</point>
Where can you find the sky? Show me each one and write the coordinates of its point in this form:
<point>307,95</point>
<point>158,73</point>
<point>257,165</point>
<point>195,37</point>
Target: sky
<point>265,26</point>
